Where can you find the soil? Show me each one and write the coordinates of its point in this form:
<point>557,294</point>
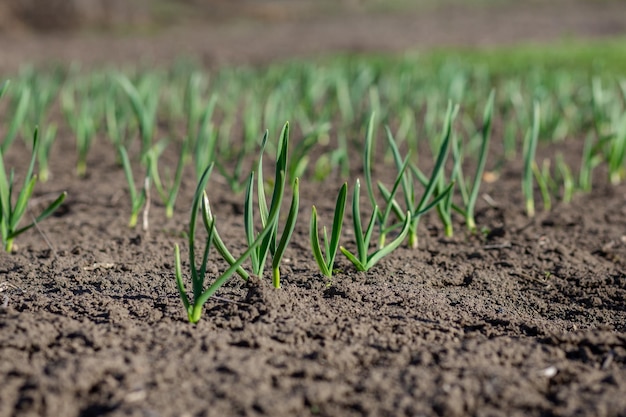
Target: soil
<point>528,318</point>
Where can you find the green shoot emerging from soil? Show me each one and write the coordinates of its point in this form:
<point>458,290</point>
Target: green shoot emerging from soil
<point>10,215</point>
<point>137,199</point>
<point>326,260</point>
<point>271,245</point>
<point>363,261</point>
<point>530,147</point>
<point>193,306</point>
<point>168,191</point>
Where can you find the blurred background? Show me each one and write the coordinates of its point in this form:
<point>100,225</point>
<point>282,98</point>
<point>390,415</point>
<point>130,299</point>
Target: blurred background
<point>64,15</point>
<point>143,15</point>
<point>217,32</point>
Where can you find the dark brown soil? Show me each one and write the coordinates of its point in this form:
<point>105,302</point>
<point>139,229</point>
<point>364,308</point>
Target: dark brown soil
<point>529,319</point>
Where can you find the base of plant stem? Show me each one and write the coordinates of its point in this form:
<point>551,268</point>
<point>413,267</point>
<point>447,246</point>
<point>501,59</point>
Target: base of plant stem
<point>133,220</point>
<point>81,169</point>
<point>276,277</point>
<point>530,208</point>
<point>412,240</point>
<point>44,174</point>
<point>194,314</point>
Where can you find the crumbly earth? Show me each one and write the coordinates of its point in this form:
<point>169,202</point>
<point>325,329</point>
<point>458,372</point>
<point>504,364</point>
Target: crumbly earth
<point>528,318</point>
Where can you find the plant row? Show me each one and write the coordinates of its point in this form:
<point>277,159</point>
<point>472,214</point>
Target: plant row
<point>335,110</point>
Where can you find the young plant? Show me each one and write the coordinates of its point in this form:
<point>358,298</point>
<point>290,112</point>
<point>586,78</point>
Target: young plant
<point>326,260</point>
<point>144,108</point>
<point>271,245</point>
<point>470,194</point>
<point>206,138</point>
<point>544,180</point>
<point>616,152</point>
<point>80,118</point>
<point>236,179</point>
<point>530,147</point>
<point>363,260</point>
<point>566,176</point>
<point>432,187</point>
<point>137,199</point>
<point>591,158</point>
<point>115,122</point>
<point>20,108</point>
<point>382,217</point>
<point>10,215</point>
<point>193,306</point>
<point>43,153</point>
<point>167,193</point>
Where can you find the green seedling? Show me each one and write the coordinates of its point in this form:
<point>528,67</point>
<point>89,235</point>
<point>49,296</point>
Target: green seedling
<point>46,86</point>
<point>433,193</point>
<point>144,108</point>
<point>591,158</point>
<point>193,306</point>
<point>470,194</point>
<point>43,152</point>
<point>193,104</point>
<point>10,215</point>
<point>80,117</point>
<point>3,88</point>
<point>167,192</point>
<point>445,205</point>
<point>616,152</point>
<point>382,217</point>
<point>204,148</point>
<point>271,245</point>
<point>326,260</point>
<point>543,178</point>
<point>363,260</point>
<point>530,147</point>
<point>137,199</point>
<point>235,180</point>
<point>567,178</point>
<point>300,156</point>
<point>20,108</point>
<point>114,122</point>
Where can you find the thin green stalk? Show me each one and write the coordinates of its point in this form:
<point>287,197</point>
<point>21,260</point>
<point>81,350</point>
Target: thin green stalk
<point>424,204</point>
<point>11,215</point>
<point>567,178</point>
<point>542,178</point>
<point>326,260</point>
<point>137,199</point>
<point>20,109</point>
<point>530,147</point>
<point>43,153</point>
<point>167,193</point>
<point>206,138</point>
<point>270,246</point>
<point>363,260</point>
<point>194,306</point>
<point>80,117</point>
<point>144,109</point>
<point>234,180</point>
<point>382,217</point>
<point>482,160</point>
<point>289,227</point>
